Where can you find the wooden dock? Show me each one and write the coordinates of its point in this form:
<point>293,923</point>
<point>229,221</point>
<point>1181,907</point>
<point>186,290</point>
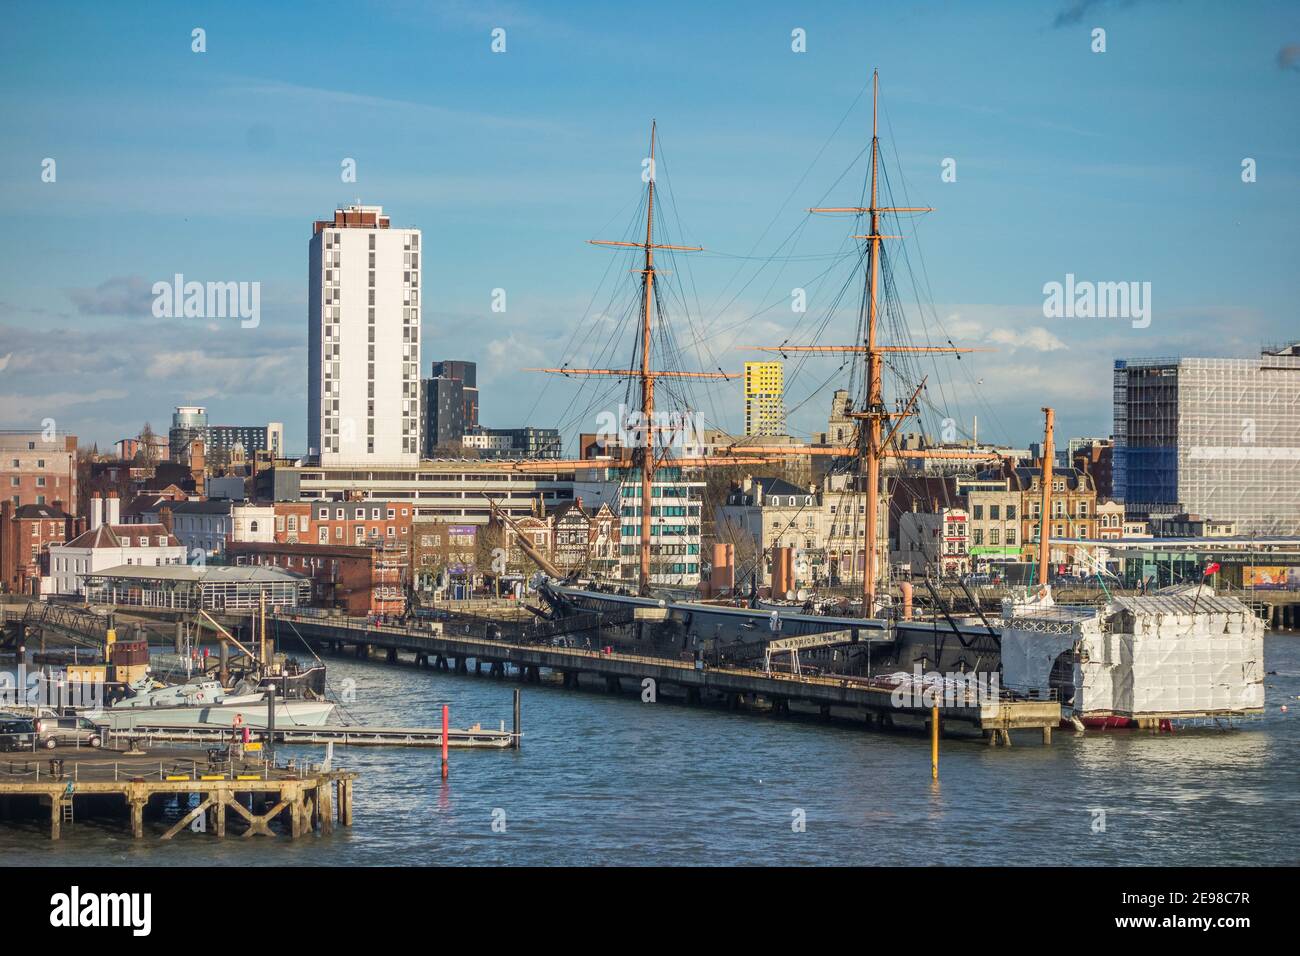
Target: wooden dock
<point>359,736</point>
<point>243,795</point>
<point>994,718</point>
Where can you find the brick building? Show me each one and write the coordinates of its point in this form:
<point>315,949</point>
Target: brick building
<point>438,546</point>
<point>343,522</point>
<point>26,533</point>
<point>38,470</point>
<point>360,580</point>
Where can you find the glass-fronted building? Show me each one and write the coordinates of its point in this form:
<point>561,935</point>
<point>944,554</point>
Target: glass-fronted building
<point>1213,437</point>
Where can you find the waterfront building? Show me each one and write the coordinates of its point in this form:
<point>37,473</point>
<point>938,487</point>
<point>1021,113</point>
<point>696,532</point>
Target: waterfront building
<point>193,587</point>
<point>107,544</point>
<point>1110,519</point>
<point>363,342</point>
<point>1211,436</point>
<point>358,580</point>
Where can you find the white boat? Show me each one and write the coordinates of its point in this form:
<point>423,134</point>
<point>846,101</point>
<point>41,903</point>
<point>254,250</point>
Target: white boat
<point>205,703</point>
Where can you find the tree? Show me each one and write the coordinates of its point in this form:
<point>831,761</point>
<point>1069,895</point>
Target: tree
<point>148,453</point>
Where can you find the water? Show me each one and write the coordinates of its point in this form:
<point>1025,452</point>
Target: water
<point>611,780</point>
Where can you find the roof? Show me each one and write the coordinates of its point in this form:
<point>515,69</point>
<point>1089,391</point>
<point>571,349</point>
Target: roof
<point>110,536</point>
<point>1178,604</point>
<point>560,511</point>
<point>220,507</point>
<point>37,512</point>
<point>209,574</point>
<point>763,488</point>
<point>146,503</point>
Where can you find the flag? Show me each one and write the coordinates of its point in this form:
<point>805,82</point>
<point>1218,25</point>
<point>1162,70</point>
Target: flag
<point>1211,569</point>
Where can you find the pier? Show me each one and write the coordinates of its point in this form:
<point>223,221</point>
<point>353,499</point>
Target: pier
<point>241,796</point>
<point>343,735</point>
<point>434,646</point>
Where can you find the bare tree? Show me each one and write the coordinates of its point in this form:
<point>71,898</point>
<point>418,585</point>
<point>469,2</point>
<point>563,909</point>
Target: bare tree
<point>148,453</point>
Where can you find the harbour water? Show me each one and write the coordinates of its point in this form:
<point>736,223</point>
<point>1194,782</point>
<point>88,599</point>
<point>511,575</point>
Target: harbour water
<point>607,779</point>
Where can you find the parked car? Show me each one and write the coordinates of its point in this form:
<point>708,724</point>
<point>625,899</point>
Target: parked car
<point>53,731</point>
<point>16,733</point>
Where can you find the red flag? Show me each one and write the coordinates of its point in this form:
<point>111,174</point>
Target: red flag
<point>1211,569</point>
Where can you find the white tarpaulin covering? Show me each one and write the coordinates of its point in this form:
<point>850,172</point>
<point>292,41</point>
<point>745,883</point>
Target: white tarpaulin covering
<point>1157,656</point>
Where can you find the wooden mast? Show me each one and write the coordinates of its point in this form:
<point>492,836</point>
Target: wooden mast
<point>874,414</point>
<point>1045,520</point>
<point>644,453</point>
<point>647,455</point>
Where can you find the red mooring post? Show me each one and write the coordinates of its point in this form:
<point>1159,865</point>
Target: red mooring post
<point>446,728</point>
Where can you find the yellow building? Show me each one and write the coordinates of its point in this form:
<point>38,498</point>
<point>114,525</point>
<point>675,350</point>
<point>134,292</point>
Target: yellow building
<point>764,398</point>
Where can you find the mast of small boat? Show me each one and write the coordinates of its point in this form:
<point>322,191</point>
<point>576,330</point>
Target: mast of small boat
<point>262,649</point>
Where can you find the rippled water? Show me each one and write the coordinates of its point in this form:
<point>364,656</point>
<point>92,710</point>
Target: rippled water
<point>605,779</point>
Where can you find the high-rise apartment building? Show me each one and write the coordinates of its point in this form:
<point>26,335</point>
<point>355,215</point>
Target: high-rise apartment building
<point>443,401</point>
<point>449,406</point>
<point>1215,437</point>
<point>764,398</point>
<point>363,308</point>
<point>467,374</point>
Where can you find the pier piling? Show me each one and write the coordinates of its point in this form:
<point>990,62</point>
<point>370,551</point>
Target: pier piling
<point>446,734</point>
<point>934,742</point>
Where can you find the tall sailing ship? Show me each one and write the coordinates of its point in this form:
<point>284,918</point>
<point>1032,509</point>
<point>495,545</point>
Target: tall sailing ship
<point>883,637</point>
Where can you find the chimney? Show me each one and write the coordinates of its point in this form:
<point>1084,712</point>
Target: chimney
<point>112,512</point>
<point>198,466</point>
<point>165,517</point>
<point>96,511</point>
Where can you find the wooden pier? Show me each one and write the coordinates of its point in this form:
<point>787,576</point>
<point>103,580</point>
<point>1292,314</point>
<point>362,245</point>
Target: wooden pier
<point>454,652</point>
<point>240,795</point>
<point>345,736</point>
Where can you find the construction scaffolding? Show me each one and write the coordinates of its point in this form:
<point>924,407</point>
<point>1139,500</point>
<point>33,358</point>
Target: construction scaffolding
<point>1214,437</point>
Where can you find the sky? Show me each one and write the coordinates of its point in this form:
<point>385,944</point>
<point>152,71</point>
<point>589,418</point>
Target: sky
<point>1124,165</point>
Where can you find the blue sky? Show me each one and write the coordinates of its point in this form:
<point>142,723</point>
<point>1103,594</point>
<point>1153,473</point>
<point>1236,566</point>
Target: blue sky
<point>1115,166</point>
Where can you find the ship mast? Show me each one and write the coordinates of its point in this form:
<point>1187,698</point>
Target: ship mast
<point>644,452</point>
<point>873,441</point>
<point>873,415</point>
